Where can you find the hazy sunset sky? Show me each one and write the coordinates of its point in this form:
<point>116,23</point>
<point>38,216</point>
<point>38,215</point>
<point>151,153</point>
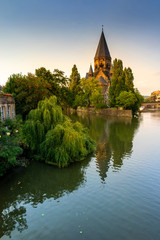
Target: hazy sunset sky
<point>60,33</point>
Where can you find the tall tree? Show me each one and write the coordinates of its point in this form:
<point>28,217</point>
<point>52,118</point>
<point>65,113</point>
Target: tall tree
<point>121,91</point>
<point>74,80</point>
<point>117,82</point>
<point>129,79</point>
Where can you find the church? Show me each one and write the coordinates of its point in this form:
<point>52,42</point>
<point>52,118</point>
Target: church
<point>102,66</point>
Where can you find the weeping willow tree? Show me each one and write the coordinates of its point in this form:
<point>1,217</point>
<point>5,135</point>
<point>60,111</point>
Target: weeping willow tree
<point>53,137</point>
<point>40,120</point>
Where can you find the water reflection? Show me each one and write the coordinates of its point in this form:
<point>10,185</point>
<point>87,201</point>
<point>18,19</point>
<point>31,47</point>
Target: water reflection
<point>114,137</point>
<point>38,182</point>
<point>34,185</point>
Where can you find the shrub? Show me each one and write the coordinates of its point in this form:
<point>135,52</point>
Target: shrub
<point>9,144</point>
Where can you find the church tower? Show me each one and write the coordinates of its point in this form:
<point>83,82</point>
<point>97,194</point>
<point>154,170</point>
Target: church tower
<point>102,59</point>
<point>102,67</point>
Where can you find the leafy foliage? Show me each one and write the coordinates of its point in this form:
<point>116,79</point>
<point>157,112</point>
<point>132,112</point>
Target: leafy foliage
<point>70,141</point>
<point>97,99</point>
<point>29,90</point>
<point>121,91</point>
<point>117,82</point>
<point>90,94</point>
<point>40,120</point>
<point>75,80</point>
<point>129,79</point>
<point>126,99</point>
<point>53,138</point>
<point>9,144</point>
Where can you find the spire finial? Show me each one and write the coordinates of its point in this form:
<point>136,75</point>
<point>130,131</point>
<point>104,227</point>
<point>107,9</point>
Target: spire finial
<point>102,27</point>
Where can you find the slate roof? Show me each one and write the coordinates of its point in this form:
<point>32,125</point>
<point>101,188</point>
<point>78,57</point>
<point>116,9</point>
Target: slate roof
<point>87,75</point>
<point>102,80</point>
<point>90,70</point>
<point>102,50</point>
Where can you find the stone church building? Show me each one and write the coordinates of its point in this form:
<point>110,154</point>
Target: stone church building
<point>102,66</point>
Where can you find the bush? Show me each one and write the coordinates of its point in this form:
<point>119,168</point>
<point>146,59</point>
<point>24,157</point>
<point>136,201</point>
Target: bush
<point>9,144</point>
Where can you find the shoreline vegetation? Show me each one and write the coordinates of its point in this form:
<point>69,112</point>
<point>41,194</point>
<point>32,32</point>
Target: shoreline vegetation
<point>47,135</point>
<point>43,132</point>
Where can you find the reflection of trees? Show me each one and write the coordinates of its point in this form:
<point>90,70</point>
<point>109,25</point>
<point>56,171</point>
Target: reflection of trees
<point>39,182</point>
<point>96,125</point>
<point>121,134</point>
<point>103,158</point>
<point>114,138</point>
<point>12,217</point>
<point>34,185</point>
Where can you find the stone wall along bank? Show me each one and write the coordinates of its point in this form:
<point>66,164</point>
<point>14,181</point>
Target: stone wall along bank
<point>106,111</point>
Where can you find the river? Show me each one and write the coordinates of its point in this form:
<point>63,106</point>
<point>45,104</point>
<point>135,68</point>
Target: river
<point>112,195</point>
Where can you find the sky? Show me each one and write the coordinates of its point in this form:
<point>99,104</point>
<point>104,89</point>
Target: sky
<point>59,33</point>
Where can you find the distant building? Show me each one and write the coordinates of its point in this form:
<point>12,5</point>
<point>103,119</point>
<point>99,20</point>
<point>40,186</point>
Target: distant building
<point>102,66</point>
<point>7,106</point>
<point>1,88</point>
<point>155,96</point>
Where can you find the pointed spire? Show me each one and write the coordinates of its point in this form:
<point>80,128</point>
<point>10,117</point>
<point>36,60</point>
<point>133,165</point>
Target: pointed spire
<point>102,50</point>
<point>90,70</point>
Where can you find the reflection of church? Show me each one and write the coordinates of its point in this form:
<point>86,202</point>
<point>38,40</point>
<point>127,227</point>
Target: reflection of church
<point>102,66</point>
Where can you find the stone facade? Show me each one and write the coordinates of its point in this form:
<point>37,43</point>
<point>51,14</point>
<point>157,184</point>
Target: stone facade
<point>7,106</point>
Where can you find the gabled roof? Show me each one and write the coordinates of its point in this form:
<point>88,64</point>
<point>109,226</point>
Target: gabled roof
<point>102,80</point>
<point>102,50</point>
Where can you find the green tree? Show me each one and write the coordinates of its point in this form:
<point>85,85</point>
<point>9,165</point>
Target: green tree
<point>75,80</point>
<point>9,144</point>
<point>53,138</point>
<point>12,83</point>
<point>130,100</point>
<point>59,78</point>
<point>97,99</point>
<point>129,79</point>
<point>140,99</point>
<point>126,100</point>
<point>90,93</point>
<point>121,91</point>
<point>117,82</point>
<point>47,77</point>
<point>29,90</point>
<point>58,83</point>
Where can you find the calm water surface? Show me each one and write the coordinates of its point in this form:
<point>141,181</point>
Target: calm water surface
<point>114,194</point>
